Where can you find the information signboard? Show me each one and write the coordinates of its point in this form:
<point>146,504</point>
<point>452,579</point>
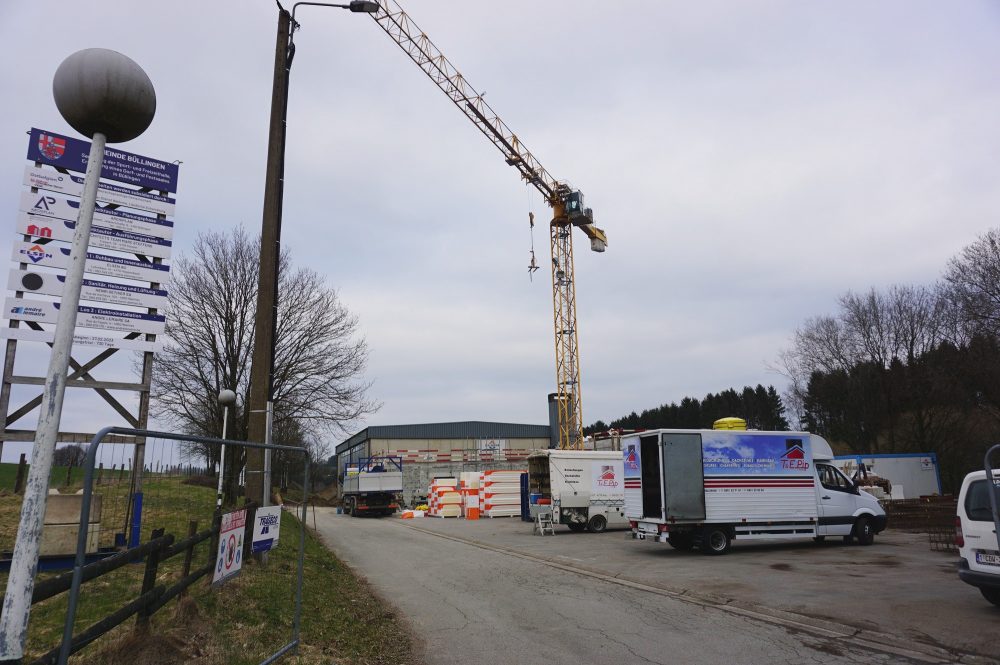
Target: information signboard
<point>266,525</point>
<point>43,311</point>
<point>52,284</point>
<point>229,558</point>
<point>46,204</point>
<point>88,339</point>
<point>72,154</point>
<point>57,256</point>
<point>100,237</point>
<point>72,185</point>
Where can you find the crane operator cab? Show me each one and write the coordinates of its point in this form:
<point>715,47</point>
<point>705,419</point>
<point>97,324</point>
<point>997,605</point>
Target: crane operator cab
<point>575,210</point>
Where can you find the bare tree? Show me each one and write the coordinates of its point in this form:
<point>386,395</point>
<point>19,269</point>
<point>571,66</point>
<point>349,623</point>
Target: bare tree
<point>973,283</point>
<point>210,327</point>
<point>71,455</point>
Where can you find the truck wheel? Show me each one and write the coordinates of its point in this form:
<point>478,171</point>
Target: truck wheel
<point>864,532</point>
<point>715,540</point>
<point>681,541</point>
<point>597,524</point>
<point>992,595</point>
<point>347,506</point>
<point>577,527</point>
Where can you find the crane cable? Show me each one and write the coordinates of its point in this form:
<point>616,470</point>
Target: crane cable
<point>533,265</point>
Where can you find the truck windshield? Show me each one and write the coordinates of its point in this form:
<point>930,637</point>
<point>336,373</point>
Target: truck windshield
<point>977,502</point>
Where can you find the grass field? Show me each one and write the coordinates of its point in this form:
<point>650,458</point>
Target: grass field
<point>244,620</point>
<point>8,473</point>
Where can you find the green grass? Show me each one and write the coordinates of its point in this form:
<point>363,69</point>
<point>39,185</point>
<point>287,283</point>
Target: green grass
<point>242,622</point>
<point>8,474</point>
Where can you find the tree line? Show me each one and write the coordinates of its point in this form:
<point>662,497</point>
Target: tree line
<point>761,407</point>
<point>907,368</point>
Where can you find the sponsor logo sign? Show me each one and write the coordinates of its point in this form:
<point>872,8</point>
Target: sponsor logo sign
<point>72,185</point>
<point>45,204</point>
<point>90,340</point>
<point>100,237</point>
<point>266,523</point>
<point>72,154</point>
<point>633,462</point>
<point>607,479</point>
<point>43,311</point>
<point>97,264</point>
<point>52,284</point>
<point>229,558</point>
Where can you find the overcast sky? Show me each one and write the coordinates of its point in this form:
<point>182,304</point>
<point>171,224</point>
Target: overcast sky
<point>749,162</point>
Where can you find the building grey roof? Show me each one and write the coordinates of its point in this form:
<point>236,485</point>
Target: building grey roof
<point>472,429</point>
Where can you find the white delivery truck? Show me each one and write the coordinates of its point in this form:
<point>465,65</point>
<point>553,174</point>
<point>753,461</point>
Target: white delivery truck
<point>585,488</point>
<point>705,488</point>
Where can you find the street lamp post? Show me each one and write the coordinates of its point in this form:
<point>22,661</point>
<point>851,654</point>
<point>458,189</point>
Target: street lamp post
<point>261,397</point>
<point>226,397</point>
<point>108,97</point>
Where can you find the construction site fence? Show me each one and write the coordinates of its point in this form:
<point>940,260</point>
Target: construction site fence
<point>156,551</point>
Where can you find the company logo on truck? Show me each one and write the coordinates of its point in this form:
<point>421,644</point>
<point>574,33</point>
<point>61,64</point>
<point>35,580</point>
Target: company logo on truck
<point>631,459</point>
<point>794,459</point>
<point>607,477</point>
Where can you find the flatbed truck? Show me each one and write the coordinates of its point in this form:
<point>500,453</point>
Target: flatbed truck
<point>373,487</point>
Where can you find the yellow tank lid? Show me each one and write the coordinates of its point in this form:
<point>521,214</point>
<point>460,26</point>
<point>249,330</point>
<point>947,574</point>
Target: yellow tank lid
<point>730,423</point>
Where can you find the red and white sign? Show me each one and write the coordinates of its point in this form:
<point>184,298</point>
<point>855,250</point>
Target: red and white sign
<point>230,554</point>
<point>607,479</point>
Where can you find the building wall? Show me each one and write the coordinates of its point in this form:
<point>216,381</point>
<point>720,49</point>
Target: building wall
<point>426,459</point>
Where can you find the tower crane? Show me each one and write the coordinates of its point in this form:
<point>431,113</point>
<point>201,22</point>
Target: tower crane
<point>568,209</point>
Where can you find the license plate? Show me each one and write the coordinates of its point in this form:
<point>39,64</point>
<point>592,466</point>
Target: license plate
<point>988,558</point>
<point>646,527</point>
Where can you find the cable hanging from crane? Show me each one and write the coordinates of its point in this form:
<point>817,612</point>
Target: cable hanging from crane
<point>533,265</point>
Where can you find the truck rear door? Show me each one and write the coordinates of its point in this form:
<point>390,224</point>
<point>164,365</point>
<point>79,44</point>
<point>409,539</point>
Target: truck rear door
<point>683,476</point>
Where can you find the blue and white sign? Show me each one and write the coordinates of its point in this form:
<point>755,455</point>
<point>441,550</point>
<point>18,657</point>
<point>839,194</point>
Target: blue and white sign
<point>56,255</point>
<point>44,311</point>
<point>266,524</point>
<point>100,237</point>
<point>72,154</point>
<point>71,185</point>
<point>90,339</point>
<point>755,454</point>
<point>52,284</point>
<point>46,204</point>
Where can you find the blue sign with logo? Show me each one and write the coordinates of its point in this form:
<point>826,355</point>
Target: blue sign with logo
<point>72,154</point>
<point>750,454</point>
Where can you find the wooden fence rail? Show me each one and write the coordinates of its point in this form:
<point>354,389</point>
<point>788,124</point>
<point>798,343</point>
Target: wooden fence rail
<point>160,548</point>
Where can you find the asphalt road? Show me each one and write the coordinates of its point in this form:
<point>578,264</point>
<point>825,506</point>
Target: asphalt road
<point>470,602</point>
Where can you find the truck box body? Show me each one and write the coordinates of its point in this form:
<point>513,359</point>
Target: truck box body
<point>750,484</point>
<point>585,487</point>
<point>373,487</point>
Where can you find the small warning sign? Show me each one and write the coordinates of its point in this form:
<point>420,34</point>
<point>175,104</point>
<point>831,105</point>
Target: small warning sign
<point>230,555</point>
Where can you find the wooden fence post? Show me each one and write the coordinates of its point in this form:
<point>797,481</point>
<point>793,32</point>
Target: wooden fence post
<point>192,530</point>
<point>19,480</point>
<point>100,472</point>
<point>148,582</point>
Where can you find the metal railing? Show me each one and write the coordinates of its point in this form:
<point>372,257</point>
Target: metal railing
<point>154,597</point>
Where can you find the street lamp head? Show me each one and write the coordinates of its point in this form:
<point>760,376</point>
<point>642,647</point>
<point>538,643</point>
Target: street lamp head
<point>101,91</point>
<point>366,6</point>
<point>227,398</point>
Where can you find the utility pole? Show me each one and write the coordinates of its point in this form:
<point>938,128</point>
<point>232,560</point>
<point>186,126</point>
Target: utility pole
<point>261,400</point>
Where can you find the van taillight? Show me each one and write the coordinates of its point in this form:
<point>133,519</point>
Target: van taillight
<point>959,536</point>
<point>633,524</point>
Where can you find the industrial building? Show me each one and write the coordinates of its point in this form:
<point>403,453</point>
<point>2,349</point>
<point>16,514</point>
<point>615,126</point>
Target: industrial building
<point>436,450</point>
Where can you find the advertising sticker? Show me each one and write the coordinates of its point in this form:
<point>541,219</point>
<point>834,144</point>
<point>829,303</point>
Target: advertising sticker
<point>266,523</point>
<point>230,554</point>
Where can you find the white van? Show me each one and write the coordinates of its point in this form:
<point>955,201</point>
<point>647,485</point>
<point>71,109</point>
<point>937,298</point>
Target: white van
<point>585,488</point>
<point>976,536</point>
<point>705,488</point>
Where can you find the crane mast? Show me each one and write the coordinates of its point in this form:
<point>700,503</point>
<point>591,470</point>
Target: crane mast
<point>567,205</point>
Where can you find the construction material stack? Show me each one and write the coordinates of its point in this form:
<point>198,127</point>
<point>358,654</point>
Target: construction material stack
<point>500,492</point>
<point>444,499</point>
<point>469,488</point>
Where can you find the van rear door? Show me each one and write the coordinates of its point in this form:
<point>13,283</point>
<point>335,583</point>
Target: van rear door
<point>979,529</point>
<point>684,476</point>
